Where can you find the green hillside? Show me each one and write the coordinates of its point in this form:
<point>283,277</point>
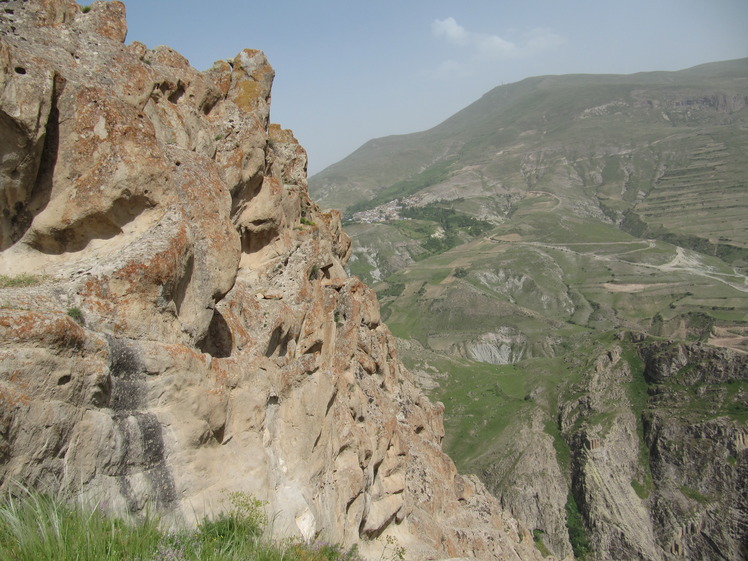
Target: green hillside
<point>632,189</point>
<point>656,153</point>
<point>542,226</point>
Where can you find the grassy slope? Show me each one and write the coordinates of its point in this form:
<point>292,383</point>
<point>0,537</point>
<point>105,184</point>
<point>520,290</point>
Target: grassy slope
<point>617,202</point>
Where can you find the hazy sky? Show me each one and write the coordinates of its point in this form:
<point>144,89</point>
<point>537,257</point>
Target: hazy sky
<point>348,70</point>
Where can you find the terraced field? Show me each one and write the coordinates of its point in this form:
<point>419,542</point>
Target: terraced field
<point>706,183</point>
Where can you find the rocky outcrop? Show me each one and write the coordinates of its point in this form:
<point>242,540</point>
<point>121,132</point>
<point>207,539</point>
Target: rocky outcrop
<point>655,434</point>
<point>529,481</point>
<point>601,429</point>
<point>658,457</point>
<point>695,431</point>
<point>189,328</point>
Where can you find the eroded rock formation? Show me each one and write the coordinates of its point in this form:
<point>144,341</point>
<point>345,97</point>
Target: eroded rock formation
<point>658,453</point>
<point>192,330</point>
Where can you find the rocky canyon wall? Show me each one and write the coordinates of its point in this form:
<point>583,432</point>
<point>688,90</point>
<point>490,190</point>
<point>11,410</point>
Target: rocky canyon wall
<point>651,459</point>
<point>177,322</point>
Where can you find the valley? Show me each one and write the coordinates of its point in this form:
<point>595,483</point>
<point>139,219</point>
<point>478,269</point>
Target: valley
<point>559,302</point>
<point>549,241</point>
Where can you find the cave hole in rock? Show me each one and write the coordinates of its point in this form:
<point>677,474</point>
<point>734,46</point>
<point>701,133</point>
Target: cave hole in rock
<point>218,341</point>
<point>98,226</point>
<point>20,70</point>
<point>253,241</point>
<point>219,433</point>
<point>315,348</point>
<point>177,94</point>
<point>209,104</point>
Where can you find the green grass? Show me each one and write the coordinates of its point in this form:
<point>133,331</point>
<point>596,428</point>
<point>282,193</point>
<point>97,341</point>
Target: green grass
<point>577,531</point>
<point>485,403</point>
<point>481,402</point>
<point>641,490</point>
<point>37,527</point>
<point>76,314</point>
<point>430,176</point>
<point>563,453</point>
<point>537,536</point>
<point>694,495</point>
<point>637,393</point>
<point>22,280</point>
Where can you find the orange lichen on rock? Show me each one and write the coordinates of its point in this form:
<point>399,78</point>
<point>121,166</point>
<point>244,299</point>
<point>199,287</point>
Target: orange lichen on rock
<point>199,332</point>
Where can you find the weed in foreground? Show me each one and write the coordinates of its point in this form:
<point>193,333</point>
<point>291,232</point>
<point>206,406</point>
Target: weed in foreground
<point>37,527</point>
<point>19,281</point>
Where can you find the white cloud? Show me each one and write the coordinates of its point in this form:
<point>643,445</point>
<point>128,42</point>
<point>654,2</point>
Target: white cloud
<point>451,30</point>
<point>491,46</point>
<point>494,46</point>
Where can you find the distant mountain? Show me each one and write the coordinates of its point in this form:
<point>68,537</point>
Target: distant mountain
<point>563,260</point>
<point>629,146</point>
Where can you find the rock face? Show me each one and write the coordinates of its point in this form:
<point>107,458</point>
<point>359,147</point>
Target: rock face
<point>695,431</point>
<point>531,484</point>
<point>601,429</point>
<point>658,458</point>
<point>191,329</point>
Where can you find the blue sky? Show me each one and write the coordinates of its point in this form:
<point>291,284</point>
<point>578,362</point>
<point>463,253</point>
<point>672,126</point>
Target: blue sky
<point>348,70</point>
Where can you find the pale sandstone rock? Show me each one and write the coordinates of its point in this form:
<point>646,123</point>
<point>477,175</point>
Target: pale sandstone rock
<point>220,345</point>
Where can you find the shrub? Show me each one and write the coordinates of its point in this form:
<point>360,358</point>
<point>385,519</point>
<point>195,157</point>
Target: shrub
<point>76,314</point>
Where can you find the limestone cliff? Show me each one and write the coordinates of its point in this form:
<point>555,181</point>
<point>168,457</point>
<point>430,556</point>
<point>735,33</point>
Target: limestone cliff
<point>656,436</point>
<point>187,327</point>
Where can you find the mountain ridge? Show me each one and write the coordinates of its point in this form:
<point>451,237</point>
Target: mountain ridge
<point>533,253</point>
<point>484,110</point>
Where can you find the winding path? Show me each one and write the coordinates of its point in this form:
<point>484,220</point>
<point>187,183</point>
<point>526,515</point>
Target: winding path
<point>681,262</point>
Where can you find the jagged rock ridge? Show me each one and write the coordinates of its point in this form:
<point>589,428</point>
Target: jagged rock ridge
<point>192,329</point>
